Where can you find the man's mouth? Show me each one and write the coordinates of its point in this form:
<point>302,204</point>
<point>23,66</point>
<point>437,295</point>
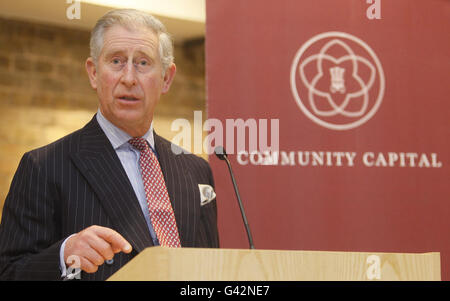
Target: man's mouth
<point>128,98</point>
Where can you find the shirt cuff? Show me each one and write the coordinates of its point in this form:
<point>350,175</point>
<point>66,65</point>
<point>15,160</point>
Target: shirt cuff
<point>62,264</point>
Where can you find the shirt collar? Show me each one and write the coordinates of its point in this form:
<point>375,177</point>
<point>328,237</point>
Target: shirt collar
<point>118,137</point>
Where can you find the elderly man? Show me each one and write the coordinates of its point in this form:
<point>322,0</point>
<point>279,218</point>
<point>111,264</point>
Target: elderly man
<point>102,194</point>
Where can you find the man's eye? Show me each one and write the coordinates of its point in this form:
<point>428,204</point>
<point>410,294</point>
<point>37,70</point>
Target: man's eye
<point>143,63</point>
<point>116,61</point>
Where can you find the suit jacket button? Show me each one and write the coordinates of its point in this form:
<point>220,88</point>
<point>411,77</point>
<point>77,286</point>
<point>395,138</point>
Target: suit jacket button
<point>109,262</point>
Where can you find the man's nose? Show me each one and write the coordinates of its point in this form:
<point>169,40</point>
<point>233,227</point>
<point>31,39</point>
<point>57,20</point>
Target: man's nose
<point>129,75</point>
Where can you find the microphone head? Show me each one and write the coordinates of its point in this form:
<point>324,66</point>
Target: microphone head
<point>220,152</point>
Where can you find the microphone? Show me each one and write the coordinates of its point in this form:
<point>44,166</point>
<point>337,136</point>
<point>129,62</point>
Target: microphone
<point>222,155</point>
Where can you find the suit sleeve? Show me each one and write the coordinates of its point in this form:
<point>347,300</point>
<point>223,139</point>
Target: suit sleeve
<point>29,243</point>
<point>209,215</point>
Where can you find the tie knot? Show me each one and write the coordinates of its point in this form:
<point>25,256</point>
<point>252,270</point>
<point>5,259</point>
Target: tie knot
<point>139,143</point>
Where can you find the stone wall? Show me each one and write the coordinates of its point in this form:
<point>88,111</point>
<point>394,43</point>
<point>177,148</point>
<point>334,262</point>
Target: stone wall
<point>45,93</point>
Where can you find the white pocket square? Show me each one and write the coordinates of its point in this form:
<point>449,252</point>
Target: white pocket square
<point>207,194</point>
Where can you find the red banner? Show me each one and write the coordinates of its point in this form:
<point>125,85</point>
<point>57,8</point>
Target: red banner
<point>360,93</point>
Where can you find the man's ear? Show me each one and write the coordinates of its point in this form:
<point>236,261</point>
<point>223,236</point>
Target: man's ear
<point>92,72</point>
<point>168,78</point>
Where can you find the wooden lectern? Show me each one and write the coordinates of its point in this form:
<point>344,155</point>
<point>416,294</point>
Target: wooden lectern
<point>191,264</point>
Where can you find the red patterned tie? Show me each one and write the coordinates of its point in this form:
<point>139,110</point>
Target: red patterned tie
<point>161,212</point>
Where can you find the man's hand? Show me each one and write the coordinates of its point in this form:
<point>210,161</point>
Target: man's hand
<point>94,245</point>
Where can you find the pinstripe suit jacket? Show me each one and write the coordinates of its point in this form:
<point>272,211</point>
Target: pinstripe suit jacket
<point>79,181</point>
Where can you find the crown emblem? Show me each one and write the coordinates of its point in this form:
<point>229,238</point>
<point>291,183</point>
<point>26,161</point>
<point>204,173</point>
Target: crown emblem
<point>337,79</point>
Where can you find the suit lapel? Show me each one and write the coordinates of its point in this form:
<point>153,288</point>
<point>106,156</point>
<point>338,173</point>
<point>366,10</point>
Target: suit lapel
<point>100,165</point>
<point>183,196</point>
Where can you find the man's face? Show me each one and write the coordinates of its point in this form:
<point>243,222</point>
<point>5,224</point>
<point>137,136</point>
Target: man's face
<point>129,78</point>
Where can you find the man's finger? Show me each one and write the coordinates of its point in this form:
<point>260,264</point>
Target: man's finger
<point>102,247</point>
<point>116,250</point>
<point>115,239</point>
<point>88,266</point>
<point>93,256</point>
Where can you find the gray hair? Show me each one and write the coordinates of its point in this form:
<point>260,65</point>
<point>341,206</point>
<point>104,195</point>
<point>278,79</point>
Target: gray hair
<point>132,18</point>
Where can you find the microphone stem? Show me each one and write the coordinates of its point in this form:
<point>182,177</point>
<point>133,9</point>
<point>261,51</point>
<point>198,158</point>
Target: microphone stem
<point>247,228</point>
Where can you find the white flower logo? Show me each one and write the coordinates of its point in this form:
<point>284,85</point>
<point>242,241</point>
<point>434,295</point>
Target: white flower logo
<point>334,86</point>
